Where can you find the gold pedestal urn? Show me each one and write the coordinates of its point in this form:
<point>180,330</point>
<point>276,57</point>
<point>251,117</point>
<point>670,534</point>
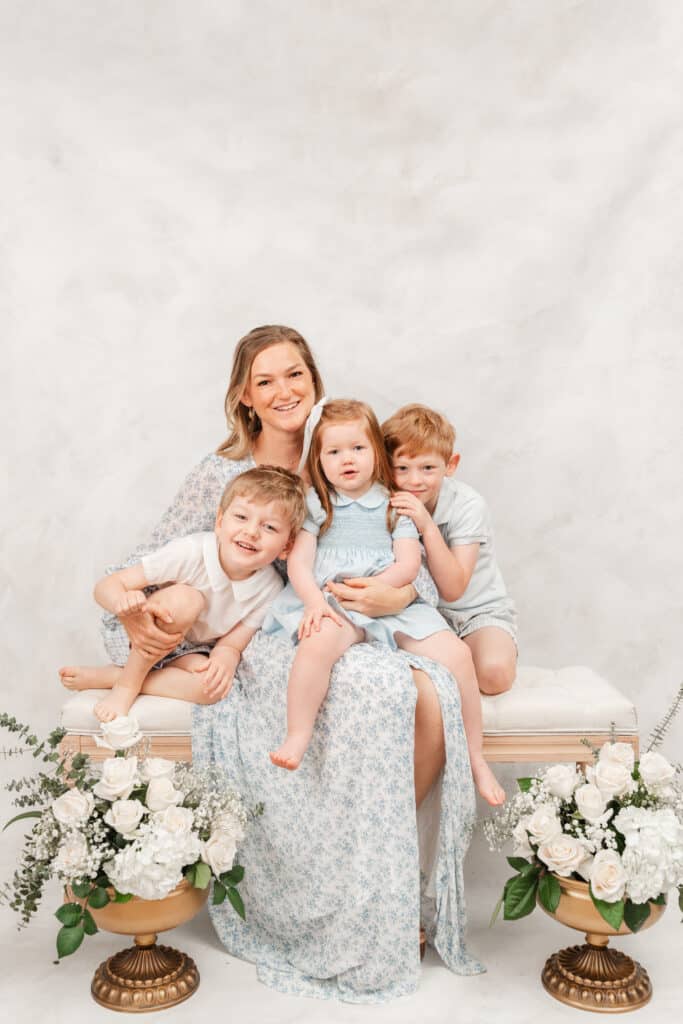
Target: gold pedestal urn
<point>592,976</point>
<point>147,976</point>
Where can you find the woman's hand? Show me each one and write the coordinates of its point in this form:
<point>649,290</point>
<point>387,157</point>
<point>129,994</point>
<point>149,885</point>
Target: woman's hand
<point>372,597</point>
<point>313,616</point>
<point>146,636</point>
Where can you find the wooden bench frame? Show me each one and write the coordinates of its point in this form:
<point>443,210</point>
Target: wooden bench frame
<point>505,748</point>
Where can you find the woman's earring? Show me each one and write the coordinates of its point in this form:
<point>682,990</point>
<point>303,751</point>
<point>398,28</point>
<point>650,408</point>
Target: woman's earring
<point>251,415</point>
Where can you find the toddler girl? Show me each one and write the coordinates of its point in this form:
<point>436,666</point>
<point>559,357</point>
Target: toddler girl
<point>351,531</point>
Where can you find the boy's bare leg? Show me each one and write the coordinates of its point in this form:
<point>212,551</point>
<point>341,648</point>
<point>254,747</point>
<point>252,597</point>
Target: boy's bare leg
<point>179,679</point>
<point>430,749</point>
<point>309,680</point>
<point>89,677</point>
<point>184,605</point>
<point>445,648</point>
<point>494,653</point>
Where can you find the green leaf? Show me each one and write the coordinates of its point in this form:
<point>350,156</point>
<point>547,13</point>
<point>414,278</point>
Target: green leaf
<point>549,892</point>
<point>69,914</point>
<point>613,913</point>
<point>89,925</point>
<point>69,939</point>
<point>80,889</point>
<point>18,817</point>
<point>636,914</point>
<point>521,864</point>
<point>98,897</point>
<point>234,876</point>
<point>121,897</point>
<point>236,901</point>
<point>680,898</point>
<point>190,873</point>
<point>202,875</point>
<point>219,893</point>
<point>520,897</point>
<point>524,784</point>
<point>496,912</point>
<point>660,900</point>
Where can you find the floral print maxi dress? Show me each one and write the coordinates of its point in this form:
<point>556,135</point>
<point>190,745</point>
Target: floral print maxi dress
<point>337,878</point>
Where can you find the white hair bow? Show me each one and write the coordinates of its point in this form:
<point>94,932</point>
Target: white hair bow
<point>311,423</point>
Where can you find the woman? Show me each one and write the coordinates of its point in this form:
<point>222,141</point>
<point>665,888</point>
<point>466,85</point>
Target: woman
<point>331,891</point>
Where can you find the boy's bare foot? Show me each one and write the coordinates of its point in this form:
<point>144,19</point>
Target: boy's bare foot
<point>486,782</point>
<point>118,702</point>
<point>289,755</point>
<point>87,677</point>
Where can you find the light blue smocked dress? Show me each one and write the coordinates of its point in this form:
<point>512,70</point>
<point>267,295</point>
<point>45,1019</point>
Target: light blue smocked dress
<point>338,874</point>
<point>357,543</point>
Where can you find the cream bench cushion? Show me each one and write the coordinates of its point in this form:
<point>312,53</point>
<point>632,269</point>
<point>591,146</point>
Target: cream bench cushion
<point>542,718</point>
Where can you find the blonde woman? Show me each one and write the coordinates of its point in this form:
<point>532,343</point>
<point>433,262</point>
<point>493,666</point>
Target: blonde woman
<point>332,886</point>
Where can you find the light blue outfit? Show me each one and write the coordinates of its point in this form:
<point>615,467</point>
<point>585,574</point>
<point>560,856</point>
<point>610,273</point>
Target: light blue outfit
<point>335,882</point>
<point>357,543</point>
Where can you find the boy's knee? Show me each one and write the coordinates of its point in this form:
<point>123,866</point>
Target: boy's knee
<point>495,677</point>
<point>185,603</point>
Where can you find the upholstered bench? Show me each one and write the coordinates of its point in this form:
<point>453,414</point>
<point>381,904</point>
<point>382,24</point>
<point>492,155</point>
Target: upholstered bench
<point>543,718</point>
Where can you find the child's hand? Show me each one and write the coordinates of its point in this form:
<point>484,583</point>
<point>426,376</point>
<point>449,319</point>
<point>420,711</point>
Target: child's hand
<point>132,602</point>
<point>218,678</point>
<point>407,504</point>
<point>313,616</point>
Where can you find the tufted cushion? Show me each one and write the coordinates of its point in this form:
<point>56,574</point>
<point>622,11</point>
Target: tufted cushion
<point>542,700</point>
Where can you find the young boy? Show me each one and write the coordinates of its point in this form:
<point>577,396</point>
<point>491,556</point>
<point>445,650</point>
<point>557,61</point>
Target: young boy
<point>454,523</point>
<point>222,585</point>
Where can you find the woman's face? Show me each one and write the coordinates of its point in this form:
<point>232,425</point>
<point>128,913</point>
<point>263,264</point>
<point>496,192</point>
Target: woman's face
<point>280,389</point>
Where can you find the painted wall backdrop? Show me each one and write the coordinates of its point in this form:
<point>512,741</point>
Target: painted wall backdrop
<point>475,205</point>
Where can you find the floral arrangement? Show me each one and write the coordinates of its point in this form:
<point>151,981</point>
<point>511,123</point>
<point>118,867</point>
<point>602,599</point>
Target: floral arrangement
<point>137,826</point>
<point>617,824</point>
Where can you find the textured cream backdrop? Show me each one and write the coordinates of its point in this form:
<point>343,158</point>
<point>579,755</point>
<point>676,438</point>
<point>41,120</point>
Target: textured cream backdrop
<point>471,204</point>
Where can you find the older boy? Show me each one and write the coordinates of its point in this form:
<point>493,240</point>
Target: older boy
<point>455,526</point>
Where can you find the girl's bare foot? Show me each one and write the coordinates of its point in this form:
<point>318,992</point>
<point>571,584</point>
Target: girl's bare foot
<point>118,702</point>
<point>289,755</point>
<point>87,677</point>
<point>486,782</point>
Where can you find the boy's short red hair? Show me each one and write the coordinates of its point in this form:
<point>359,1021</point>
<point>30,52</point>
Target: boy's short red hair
<point>415,429</point>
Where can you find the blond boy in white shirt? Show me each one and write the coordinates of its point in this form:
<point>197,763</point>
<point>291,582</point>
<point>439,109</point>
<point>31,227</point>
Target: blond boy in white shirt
<point>214,586</point>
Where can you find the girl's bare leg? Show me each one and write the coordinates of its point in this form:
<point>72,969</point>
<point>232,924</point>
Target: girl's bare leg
<point>445,648</point>
<point>185,605</point>
<point>495,658</point>
<point>179,680</point>
<point>309,680</point>
<point>430,749</point>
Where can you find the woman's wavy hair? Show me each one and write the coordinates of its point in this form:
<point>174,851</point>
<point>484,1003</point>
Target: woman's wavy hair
<point>345,410</point>
<point>243,428</point>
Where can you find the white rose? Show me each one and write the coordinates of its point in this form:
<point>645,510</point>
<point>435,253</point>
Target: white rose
<point>73,807</point>
<point>162,794</point>
<point>655,771</point>
<point>613,778</point>
<point>119,778</point>
<point>563,854</point>
<point>156,768</point>
<point>219,852</point>
<point>72,857</point>
<point>119,734</point>
<point>125,816</point>
<point>608,878</point>
<point>176,820</point>
<point>544,824</point>
<point>561,780</point>
<point>590,802</point>
<point>521,838</point>
<point>618,753</point>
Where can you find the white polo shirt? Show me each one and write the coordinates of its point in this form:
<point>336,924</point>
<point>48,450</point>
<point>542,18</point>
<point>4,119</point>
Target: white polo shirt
<point>194,560</point>
<point>463,518</point>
